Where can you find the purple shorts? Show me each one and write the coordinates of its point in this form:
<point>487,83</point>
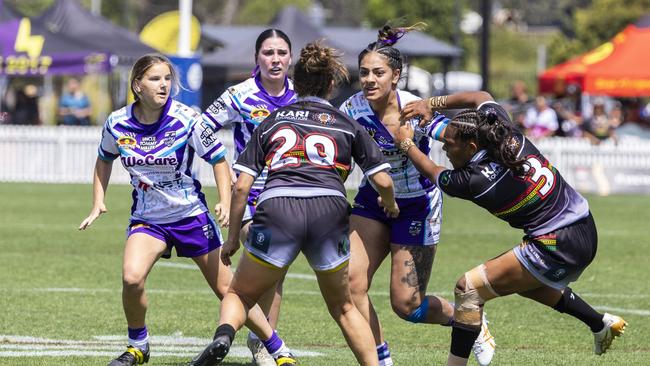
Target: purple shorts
<point>418,223</point>
<point>192,236</point>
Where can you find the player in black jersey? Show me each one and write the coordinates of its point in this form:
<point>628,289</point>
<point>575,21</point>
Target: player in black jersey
<point>308,148</point>
<point>499,169</point>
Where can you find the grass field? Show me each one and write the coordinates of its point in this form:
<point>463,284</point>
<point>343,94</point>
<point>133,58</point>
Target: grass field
<point>60,290</point>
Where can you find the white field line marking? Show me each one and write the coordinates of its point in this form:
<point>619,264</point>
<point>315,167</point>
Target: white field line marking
<point>446,294</point>
<point>109,346</point>
<point>299,276</point>
<point>623,311</point>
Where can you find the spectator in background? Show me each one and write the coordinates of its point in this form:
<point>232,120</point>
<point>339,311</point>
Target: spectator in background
<point>541,120</point>
<point>26,108</point>
<point>570,123</point>
<point>518,103</point>
<point>74,107</point>
<point>601,126</point>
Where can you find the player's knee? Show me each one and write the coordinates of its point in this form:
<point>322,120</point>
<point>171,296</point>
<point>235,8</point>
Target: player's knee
<point>339,309</point>
<point>471,292</point>
<point>358,286</point>
<point>418,314</point>
<point>132,281</point>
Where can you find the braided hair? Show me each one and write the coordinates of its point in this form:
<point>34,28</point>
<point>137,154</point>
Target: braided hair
<point>493,134</point>
<point>386,38</point>
<point>316,69</point>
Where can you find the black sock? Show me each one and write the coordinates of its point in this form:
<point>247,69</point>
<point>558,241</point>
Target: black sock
<point>570,303</point>
<point>225,330</point>
<point>462,340</point>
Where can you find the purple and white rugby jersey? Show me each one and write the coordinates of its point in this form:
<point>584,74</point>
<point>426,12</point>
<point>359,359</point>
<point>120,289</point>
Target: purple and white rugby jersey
<point>246,105</point>
<point>408,181</point>
<point>159,159</point>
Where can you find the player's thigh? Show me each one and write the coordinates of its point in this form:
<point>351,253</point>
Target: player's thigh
<point>369,246</point>
<point>140,253</point>
<point>254,277</point>
<point>410,272</point>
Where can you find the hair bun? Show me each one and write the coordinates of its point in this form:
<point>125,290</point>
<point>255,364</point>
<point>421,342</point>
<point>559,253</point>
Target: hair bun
<point>490,116</point>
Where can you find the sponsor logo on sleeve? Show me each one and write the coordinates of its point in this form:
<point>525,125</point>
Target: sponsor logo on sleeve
<point>217,107</point>
<point>208,136</point>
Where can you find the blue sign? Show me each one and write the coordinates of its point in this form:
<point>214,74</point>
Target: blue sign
<point>190,74</point>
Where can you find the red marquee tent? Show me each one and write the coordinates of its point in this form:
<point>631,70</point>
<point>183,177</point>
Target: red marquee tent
<point>617,68</point>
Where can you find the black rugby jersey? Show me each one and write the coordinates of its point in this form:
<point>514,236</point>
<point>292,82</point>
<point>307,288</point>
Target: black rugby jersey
<point>538,203</point>
<point>308,147</point>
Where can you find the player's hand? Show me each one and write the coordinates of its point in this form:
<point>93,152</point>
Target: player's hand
<point>391,211</point>
<point>417,108</point>
<point>94,214</point>
<point>222,212</point>
<point>229,248</point>
<point>404,132</point>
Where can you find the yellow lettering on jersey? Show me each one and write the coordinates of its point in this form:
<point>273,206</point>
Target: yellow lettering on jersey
<point>25,42</point>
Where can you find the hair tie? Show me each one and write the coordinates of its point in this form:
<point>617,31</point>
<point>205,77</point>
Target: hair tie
<point>490,116</point>
<point>391,39</point>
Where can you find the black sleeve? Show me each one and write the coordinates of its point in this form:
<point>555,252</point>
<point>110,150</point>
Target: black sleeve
<point>456,183</point>
<point>251,160</point>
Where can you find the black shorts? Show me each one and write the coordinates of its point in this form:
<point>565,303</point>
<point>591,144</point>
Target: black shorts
<point>559,257</point>
<point>318,226</point>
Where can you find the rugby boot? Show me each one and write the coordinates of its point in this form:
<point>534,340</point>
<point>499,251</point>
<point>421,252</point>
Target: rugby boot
<point>484,346</point>
<point>614,327</point>
<point>132,356</point>
<point>261,356</point>
<point>285,359</point>
<point>214,353</point>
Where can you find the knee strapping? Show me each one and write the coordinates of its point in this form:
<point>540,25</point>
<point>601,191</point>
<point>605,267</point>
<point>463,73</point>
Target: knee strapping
<point>470,299</point>
<point>419,315</point>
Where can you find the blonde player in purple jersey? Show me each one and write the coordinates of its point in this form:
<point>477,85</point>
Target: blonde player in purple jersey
<point>411,239</point>
<point>156,139</point>
<point>244,107</point>
<point>499,169</point>
<point>308,148</point>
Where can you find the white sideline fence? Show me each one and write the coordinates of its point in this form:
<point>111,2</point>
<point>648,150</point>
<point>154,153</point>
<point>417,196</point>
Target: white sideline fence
<point>62,154</point>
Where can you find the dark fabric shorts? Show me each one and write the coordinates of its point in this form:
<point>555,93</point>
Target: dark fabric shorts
<point>192,236</point>
<point>318,226</point>
<point>559,257</point>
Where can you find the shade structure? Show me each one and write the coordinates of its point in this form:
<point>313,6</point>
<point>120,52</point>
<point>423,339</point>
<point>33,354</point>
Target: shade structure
<point>238,51</point>
<point>70,18</point>
<point>617,68</point>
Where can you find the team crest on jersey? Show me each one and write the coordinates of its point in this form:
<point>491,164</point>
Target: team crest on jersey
<point>259,114</point>
<point>148,143</point>
<point>415,228</point>
<point>126,142</point>
<point>325,118</point>
<point>170,138</point>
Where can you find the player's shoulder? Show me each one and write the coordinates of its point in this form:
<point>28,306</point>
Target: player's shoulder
<point>356,105</point>
<point>118,116</point>
<point>242,90</point>
<point>183,113</point>
<point>406,97</point>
